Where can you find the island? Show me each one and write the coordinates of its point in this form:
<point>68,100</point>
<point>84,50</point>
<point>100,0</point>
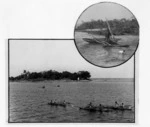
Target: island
<point>51,75</point>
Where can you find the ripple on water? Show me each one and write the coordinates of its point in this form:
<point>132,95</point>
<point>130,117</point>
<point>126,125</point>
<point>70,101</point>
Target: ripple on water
<point>29,106</point>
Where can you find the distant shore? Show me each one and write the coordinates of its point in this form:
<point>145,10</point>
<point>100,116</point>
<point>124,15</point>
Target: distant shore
<point>92,79</point>
<point>44,80</point>
<point>51,75</point>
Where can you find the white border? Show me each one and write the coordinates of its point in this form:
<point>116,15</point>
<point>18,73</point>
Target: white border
<point>10,29</point>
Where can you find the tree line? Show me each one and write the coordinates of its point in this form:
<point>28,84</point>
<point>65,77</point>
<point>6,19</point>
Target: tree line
<point>51,75</point>
<point>118,26</point>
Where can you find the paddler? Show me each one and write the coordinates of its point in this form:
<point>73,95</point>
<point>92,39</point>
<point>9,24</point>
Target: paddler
<point>51,101</point>
<point>122,105</point>
<point>116,104</point>
<point>100,106</point>
<point>90,105</point>
<point>64,102</point>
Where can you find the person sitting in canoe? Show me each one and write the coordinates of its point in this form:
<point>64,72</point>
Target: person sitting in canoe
<point>51,101</point>
<point>90,105</point>
<point>64,102</point>
<point>116,104</point>
<point>100,106</point>
<point>122,105</point>
<point>55,102</point>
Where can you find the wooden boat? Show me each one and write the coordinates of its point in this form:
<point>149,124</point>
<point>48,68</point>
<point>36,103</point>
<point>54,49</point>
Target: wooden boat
<point>94,41</point>
<point>105,109</point>
<point>57,104</point>
<point>95,109</point>
<point>111,42</point>
<point>119,108</point>
<point>91,109</point>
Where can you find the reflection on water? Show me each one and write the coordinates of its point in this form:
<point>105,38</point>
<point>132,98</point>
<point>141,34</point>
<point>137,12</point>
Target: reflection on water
<point>28,101</point>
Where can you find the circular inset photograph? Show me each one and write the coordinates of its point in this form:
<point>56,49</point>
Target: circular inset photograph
<point>107,34</point>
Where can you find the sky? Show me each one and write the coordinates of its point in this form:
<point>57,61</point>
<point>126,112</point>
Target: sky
<point>59,55</point>
<point>103,11</point>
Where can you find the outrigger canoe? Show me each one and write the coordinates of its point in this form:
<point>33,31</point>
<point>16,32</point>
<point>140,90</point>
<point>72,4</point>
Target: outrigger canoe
<point>92,109</point>
<point>105,109</point>
<point>111,42</point>
<point>57,104</point>
<point>118,108</point>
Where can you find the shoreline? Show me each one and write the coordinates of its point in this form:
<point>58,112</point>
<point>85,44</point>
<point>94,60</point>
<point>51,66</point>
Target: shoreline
<point>92,79</point>
<point>62,80</point>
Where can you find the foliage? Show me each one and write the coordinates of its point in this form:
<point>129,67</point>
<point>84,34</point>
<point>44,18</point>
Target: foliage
<point>52,75</point>
<point>118,26</point>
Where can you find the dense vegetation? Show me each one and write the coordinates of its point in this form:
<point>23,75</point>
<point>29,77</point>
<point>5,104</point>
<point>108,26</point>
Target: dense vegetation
<point>51,75</point>
<point>118,26</point>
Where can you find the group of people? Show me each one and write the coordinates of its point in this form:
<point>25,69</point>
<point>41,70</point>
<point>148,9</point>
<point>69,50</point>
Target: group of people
<point>55,102</point>
<point>100,106</point>
<point>90,105</point>
<point>117,105</point>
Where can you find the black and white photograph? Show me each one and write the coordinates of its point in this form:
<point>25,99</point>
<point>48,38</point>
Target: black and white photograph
<point>50,82</point>
<point>74,63</point>
<point>107,34</point>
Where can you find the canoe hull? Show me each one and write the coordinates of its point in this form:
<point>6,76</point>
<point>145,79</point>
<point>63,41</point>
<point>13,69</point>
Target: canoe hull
<point>105,109</point>
<point>55,104</point>
<point>103,42</point>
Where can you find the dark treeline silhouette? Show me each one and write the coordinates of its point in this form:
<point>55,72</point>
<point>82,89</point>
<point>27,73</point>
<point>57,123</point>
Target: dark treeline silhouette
<point>118,26</point>
<point>51,75</point>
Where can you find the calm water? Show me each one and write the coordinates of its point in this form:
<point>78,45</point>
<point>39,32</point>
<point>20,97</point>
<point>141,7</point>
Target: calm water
<point>28,101</point>
<point>106,56</point>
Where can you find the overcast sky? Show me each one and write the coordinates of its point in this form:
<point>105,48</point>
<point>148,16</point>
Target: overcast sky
<point>59,55</point>
<point>105,10</point>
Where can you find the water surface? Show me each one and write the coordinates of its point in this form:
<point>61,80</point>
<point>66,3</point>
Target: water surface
<point>106,56</point>
<point>28,100</point>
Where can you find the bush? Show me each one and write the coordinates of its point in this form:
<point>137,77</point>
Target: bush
<point>52,75</point>
<point>118,27</point>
